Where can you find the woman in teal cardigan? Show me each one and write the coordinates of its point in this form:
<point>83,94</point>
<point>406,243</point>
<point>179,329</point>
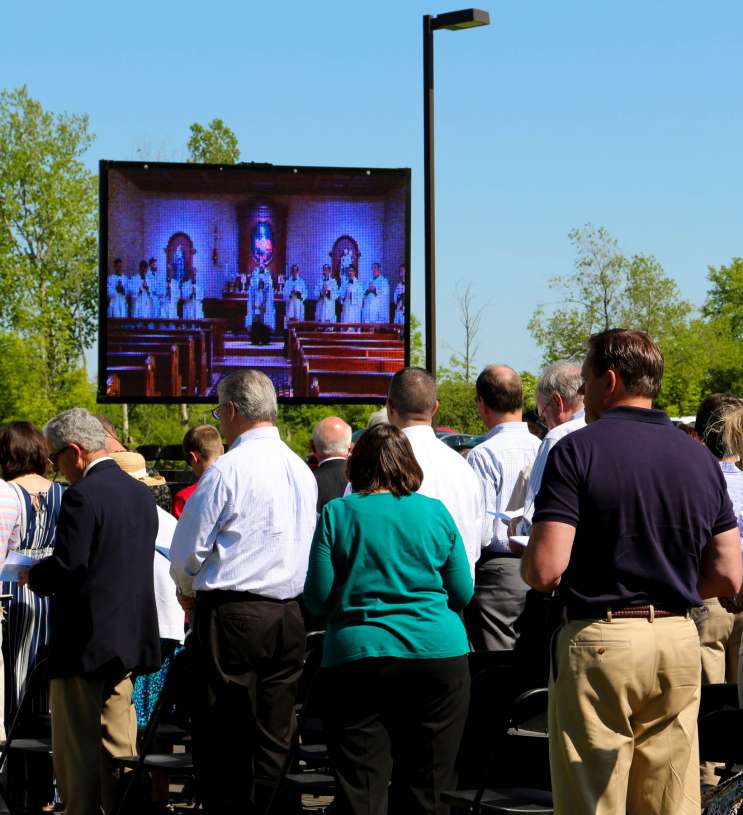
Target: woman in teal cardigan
<point>389,571</point>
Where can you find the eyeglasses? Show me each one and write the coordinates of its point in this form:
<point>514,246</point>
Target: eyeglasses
<point>56,454</point>
<point>217,412</point>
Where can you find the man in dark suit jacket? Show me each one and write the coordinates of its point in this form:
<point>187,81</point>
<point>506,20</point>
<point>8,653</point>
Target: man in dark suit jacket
<point>103,614</point>
<point>331,443</point>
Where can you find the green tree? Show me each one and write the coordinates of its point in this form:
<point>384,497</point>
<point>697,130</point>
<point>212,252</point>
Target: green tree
<point>606,290</point>
<point>214,144</point>
<point>725,298</point>
<point>417,352</point>
<point>48,247</point>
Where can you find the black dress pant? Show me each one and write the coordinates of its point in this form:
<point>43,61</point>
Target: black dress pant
<point>400,720</point>
<point>249,653</point>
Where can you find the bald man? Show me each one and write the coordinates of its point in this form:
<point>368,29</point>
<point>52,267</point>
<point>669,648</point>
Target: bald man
<point>331,443</point>
<point>411,405</point>
<point>508,451</point>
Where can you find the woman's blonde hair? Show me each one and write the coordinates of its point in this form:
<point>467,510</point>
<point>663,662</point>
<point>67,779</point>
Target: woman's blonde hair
<point>733,432</point>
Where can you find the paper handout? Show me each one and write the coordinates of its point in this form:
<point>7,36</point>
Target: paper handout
<point>14,563</point>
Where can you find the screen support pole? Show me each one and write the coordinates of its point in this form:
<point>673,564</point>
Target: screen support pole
<point>429,196</point>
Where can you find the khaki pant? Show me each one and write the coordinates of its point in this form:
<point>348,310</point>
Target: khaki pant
<point>624,699</point>
<point>93,719</point>
<point>719,636</point>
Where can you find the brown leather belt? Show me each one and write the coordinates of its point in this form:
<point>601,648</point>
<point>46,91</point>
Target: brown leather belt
<point>648,612</point>
<point>644,612</point>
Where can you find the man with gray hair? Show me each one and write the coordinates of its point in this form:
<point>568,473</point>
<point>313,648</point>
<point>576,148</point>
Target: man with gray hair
<point>103,613</point>
<point>241,548</point>
<point>331,443</point>
<point>560,407</point>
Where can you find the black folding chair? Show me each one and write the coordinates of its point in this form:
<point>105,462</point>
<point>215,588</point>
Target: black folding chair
<point>26,722</point>
<point>172,763</point>
<point>526,747</point>
<point>315,779</point>
<point>718,696</point>
<point>719,739</point>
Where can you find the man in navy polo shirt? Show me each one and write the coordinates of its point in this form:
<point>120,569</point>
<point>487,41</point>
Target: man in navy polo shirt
<point>634,523</point>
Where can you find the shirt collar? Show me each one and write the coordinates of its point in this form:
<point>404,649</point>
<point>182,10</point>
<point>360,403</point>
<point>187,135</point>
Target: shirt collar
<point>730,467</point>
<point>93,463</point>
<point>507,427</point>
<point>257,433</point>
<point>331,458</point>
<point>580,414</point>
<point>422,430</point>
<point>637,414</point>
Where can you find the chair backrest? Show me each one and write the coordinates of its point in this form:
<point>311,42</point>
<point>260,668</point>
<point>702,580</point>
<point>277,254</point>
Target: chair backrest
<point>718,696</point>
<point>529,711</point>
<point>491,694</point>
<point>527,746</point>
<point>719,736</point>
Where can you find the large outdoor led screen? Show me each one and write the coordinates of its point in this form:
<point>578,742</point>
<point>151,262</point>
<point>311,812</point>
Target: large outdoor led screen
<point>300,272</point>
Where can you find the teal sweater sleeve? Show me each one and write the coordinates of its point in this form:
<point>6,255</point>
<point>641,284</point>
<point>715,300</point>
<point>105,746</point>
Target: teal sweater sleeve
<point>457,576</point>
<point>318,585</point>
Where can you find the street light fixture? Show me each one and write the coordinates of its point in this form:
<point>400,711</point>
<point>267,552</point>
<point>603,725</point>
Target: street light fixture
<point>453,21</point>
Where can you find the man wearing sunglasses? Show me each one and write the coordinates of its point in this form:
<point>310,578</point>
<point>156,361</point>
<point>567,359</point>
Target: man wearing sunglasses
<point>103,615</point>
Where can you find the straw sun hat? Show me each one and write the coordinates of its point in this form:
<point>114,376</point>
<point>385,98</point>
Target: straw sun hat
<point>135,465</point>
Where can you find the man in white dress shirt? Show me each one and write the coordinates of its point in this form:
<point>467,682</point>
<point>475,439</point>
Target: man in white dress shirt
<point>242,546</point>
<point>508,449</point>
<point>411,406</point>
<point>560,407</point>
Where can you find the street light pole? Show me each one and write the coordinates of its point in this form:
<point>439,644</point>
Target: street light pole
<point>453,20</point>
<point>429,197</point>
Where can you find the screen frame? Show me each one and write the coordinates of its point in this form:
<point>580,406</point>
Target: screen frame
<point>106,166</point>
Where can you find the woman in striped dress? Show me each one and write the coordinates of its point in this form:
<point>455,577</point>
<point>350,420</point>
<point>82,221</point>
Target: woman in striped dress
<point>23,459</point>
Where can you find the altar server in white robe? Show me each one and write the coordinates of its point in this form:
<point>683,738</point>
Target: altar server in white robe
<point>143,289</point>
<point>398,298</point>
<point>169,297</point>
<point>295,293</point>
<point>327,294</point>
<point>350,297</point>
<point>116,286</point>
<point>193,298</point>
<point>376,298</point>
<point>260,298</point>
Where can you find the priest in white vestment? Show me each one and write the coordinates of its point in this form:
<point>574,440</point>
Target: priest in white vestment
<point>260,298</point>
<point>376,307</point>
<point>295,293</point>
<point>144,285</point>
<point>116,287</point>
<point>398,298</point>
<point>169,297</point>
<point>193,298</point>
<point>327,294</point>
<point>350,297</point>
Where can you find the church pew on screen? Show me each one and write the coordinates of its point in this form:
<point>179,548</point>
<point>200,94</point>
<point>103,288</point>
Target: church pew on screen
<point>349,383</point>
<point>134,380</point>
<point>296,339</point>
<point>202,346</point>
<point>215,325</point>
<point>186,348</point>
<point>195,339</point>
<point>381,328</point>
<point>185,345</point>
<point>113,385</point>
<point>379,365</point>
<point>330,350</point>
<point>167,367</point>
<point>309,374</point>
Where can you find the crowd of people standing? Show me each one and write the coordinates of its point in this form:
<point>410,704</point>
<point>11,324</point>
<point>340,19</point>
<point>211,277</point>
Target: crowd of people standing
<point>409,556</point>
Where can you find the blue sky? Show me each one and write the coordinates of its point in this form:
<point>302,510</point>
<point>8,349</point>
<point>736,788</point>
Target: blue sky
<point>626,115</point>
